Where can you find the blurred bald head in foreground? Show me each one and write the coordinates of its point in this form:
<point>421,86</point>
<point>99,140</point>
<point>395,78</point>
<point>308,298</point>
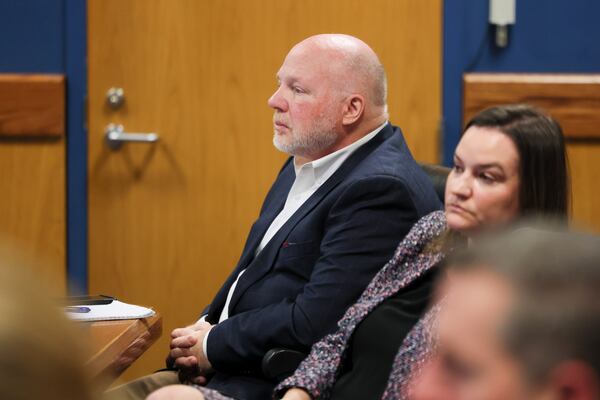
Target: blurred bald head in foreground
<point>522,321</point>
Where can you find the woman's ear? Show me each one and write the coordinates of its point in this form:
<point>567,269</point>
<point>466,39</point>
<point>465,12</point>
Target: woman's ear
<point>354,106</point>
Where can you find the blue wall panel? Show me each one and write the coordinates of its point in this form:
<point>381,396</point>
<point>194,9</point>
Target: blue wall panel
<point>49,36</point>
<point>76,71</point>
<point>32,34</point>
<point>549,36</point>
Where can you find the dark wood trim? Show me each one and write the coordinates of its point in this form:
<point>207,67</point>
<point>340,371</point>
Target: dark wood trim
<point>573,99</point>
<point>32,105</point>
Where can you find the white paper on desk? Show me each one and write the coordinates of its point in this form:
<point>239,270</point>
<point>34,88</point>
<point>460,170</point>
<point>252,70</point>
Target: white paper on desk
<point>115,310</point>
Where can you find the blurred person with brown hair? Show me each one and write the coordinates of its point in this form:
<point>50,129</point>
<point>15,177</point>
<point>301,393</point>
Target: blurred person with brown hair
<point>39,353</point>
<point>521,321</point>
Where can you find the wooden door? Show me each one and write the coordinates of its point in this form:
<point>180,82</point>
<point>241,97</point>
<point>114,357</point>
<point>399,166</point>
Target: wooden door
<point>168,221</point>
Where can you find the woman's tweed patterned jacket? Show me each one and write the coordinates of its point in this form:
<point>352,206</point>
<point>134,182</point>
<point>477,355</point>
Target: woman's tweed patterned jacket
<point>318,372</point>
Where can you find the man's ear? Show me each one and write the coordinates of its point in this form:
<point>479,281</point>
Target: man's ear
<point>574,380</point>
<point>354,107</point>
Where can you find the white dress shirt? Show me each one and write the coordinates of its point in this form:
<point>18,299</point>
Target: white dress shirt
<point>309,178</point>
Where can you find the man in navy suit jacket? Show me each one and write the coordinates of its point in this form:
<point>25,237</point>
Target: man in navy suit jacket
<point>333,217</point>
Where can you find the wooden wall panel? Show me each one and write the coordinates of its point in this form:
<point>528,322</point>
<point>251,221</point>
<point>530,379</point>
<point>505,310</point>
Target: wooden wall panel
<point>584,165</point>
<point>32,105</point>
<point>32,172</point>
<point>574,100</point>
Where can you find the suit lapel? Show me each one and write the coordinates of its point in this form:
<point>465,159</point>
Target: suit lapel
<point>263,263</point>
<point>273,205</point>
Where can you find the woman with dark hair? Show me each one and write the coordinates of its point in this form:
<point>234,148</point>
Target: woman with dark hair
<point>543,164</point>
<point>510,163</point>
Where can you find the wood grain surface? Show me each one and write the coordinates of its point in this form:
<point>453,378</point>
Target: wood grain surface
<point>32,105</point>
<point>32,172</point>
<point>114,345</point>
<point>573,99</point>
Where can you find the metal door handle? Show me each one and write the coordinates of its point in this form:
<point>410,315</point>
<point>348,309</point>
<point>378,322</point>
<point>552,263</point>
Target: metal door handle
<point>115,136</point>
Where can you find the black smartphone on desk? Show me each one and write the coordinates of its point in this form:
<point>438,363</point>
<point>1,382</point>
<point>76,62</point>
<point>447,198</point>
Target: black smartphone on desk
<point>88,300</point>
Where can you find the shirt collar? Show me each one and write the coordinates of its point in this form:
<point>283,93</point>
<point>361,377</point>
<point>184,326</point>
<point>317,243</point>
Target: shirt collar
<point>318,168</point>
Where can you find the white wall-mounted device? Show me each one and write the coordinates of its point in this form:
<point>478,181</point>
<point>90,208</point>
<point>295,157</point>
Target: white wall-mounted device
<point>502,14</point>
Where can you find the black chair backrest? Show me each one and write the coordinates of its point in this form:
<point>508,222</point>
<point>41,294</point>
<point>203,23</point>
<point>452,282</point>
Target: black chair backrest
<point>438,175</point>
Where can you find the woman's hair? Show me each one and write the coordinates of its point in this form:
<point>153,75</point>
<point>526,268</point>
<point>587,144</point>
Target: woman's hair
<point>544,182</point>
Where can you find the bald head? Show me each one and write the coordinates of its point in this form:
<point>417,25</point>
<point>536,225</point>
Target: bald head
<point>331,92</point>
<point>352,63</point>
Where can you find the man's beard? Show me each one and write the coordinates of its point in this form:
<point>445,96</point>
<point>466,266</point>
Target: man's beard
<point>307,143</point>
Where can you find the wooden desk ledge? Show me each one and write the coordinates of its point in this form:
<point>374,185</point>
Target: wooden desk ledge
<point>115,345</point>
